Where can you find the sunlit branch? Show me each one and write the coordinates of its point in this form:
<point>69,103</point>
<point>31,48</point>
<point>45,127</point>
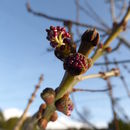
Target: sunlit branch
<point>103,75</point>
<point>89,90</point>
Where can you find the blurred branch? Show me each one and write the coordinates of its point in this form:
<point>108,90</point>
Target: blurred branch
<point>117,47</point>
<point>61,19</point>
<point>77,16</point>
<point>122,39</point>
<point>113,101</point>
<point>29,124</point>
<point>114,34</point>
<point>123,81</point>
<point>82,116</point>
<point>112,10</point>
<point>23,117</point>
<point>126,68</point>
<point>74,22</point>
<point>121,110</point>
<point>91,12</point>
<point>112,63</point>
<point>89,90</point>
<point>122,9</point>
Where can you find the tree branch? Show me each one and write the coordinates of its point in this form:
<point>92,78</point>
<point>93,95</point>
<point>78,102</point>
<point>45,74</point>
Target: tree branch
<point>89,90</point>
<point>112,63</point>
<point>103,75</point>
<point>115,32</point>
<point>61,19</point>
<point>23,117</point>
<point>112,9</point>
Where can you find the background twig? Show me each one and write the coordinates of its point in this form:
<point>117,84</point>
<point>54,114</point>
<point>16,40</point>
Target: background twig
<point>23,117</point>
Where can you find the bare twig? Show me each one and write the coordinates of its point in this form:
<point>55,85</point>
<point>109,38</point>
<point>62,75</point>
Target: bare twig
<point>81,116</point>
<point>89,90</point>
<point>123,81</point>
<point>112,10</point>
<point>23,117</point>
<point>112,62</point>
<point>113,102</point>
<point>94,15</point>
<point>122,39</point>
<point>61,19</point>
<point>77,16</point>
<point>126,68</point>
<point>103,75</point>
<point>122,9</point>
<point>121,110</point>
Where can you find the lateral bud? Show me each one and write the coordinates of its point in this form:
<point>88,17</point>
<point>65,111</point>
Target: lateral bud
<point>65,105</point>
<point>89,40</point>
<point>48,95</point>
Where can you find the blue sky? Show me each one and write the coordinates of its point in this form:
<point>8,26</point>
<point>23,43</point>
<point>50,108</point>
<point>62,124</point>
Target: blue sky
<point>23,57</point>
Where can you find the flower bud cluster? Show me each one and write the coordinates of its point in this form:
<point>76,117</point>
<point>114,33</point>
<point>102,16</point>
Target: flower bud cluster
<point>75,63</point>
<point>56,36</point>
<point>48,95</point>
<point>61,41</point>
<point>63,105</point>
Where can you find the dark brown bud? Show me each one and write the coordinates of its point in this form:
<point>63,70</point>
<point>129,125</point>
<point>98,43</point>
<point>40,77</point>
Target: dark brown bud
<point>48,95</point>
<point>89,40</point>
<point>91,36</point>
<point>54,117</point>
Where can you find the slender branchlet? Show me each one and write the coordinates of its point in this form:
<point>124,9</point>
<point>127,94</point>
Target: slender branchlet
<point>103,75</point>
<point>24,115</point>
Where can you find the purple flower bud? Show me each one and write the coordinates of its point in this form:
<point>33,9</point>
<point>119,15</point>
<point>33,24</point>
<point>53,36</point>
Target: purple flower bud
<point>57,35</point>
<point>77,64</point>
